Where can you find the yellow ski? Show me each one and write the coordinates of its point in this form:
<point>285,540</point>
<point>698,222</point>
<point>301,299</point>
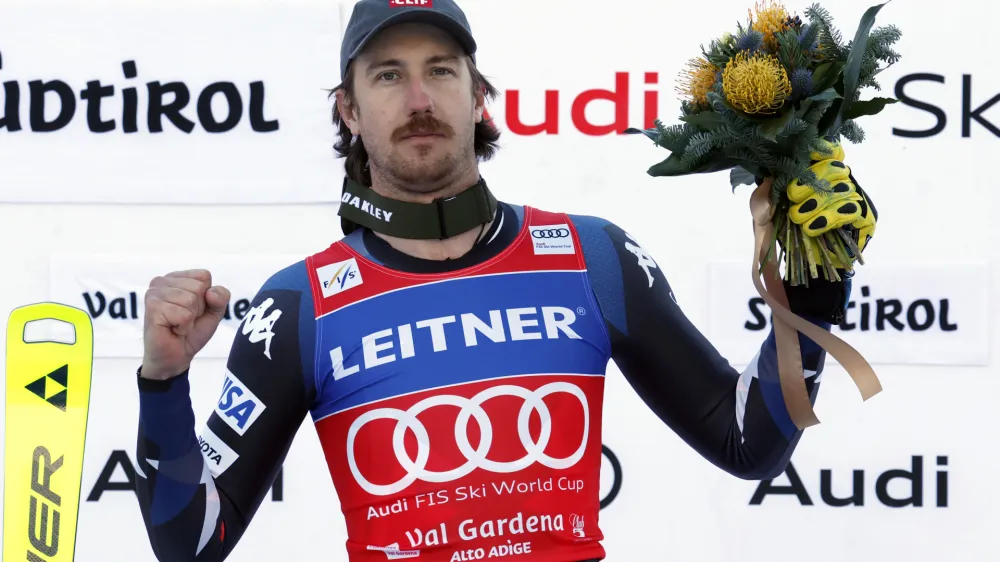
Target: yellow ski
<point>47,401</point>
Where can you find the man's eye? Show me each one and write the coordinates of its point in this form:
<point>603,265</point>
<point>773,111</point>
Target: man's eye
<point>385,74</point>
<point>445,70</point>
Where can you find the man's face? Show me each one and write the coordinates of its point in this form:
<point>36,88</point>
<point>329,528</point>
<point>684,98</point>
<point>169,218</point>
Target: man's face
<point>414,106</point>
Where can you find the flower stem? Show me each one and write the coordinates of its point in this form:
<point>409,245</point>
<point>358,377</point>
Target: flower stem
<point>849,242</point>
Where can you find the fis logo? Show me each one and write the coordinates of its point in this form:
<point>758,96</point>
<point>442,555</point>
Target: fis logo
<point>338,277</point>
<point>238,407</point>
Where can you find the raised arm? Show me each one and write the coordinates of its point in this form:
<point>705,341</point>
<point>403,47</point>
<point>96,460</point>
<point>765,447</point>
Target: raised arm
<point>737,421</point>
<point>199,490</point>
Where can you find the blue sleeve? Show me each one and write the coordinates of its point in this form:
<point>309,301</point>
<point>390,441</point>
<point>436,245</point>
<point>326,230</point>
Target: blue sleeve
<point>737,421</point>
<point>198,492</point>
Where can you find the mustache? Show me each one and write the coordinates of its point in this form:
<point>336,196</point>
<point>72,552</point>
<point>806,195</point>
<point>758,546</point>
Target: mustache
<point>423,125</point>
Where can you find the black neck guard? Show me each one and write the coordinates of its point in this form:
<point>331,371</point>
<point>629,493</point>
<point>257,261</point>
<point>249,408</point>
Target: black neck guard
<point>360,206</point>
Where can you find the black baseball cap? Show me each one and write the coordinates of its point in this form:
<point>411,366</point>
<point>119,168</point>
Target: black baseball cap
<point>371,16</point>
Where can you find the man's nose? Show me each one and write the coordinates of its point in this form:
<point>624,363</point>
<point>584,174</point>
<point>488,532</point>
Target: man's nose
<point>417,96</point>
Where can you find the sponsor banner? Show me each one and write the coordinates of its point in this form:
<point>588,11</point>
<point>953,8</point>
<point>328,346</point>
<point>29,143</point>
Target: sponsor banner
<point>666,501</point>
<point>915,314</point>
<point>902,476</point>
<point>168,102</point>
<point>112,288</point>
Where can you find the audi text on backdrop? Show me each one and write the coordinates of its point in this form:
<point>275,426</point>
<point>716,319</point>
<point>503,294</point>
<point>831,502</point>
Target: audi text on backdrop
<point>885,487</point>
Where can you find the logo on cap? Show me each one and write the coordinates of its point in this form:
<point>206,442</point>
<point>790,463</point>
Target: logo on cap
<point>405,3</point>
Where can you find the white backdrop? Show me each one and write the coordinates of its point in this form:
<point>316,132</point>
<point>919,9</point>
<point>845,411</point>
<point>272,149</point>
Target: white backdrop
<point>84,212</point>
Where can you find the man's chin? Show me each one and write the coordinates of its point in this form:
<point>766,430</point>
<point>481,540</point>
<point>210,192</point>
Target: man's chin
<point>425,176</point>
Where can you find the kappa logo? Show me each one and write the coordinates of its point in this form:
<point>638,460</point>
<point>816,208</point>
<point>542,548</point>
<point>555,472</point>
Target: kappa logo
<point>552,239</point>
<point>338,277</point>
<point>644,259</point>
<point>260,328</point>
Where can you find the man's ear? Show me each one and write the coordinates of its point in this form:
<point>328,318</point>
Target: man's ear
<point>348,111</point>
<point>480,107</point>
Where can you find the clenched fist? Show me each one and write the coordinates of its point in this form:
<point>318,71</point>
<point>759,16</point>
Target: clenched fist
<point>183,310</point>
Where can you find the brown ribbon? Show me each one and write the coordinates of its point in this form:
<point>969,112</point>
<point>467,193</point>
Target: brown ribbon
<point>786,323</point>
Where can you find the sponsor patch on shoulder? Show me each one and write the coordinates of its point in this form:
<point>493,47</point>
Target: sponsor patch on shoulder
<point>238,407</point>
<point>552,239</point>
<point>338,277</point>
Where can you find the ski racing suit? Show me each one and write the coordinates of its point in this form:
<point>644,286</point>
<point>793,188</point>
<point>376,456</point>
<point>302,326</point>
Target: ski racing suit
<point>436,386</point>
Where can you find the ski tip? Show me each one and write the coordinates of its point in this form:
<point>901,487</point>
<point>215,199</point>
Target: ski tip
<point>49,323</point>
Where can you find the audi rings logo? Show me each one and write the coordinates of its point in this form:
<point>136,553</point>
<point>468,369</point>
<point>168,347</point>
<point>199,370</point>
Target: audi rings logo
<point>416,469</point>
<point>616,477</point>
<point>550,233</point>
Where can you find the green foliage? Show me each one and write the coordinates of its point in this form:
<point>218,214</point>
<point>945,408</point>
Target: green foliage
<point>718,136</point>
<point>830,40</point>
<point>791,55</point>
<point>853,132</point>
<point>719,52</point>
<point>879,50</point>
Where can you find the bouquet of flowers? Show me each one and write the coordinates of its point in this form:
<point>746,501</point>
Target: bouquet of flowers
<point>761,100</point>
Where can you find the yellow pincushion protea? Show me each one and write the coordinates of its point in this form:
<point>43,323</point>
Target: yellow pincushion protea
<point>755,83</point>
<point>697,80</point>
<point>770,18</point>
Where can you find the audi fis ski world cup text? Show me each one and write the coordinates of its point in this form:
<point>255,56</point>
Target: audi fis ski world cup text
<point>509,325</point>
<point>552,239</point>
<point>46,106</point>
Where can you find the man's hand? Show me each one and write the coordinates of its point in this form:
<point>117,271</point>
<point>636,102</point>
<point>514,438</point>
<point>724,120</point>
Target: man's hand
<point>182,312</point>
<point>818,212</point>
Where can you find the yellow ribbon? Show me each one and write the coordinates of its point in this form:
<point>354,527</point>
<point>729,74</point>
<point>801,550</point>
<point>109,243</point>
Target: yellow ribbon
<point>786,324</point>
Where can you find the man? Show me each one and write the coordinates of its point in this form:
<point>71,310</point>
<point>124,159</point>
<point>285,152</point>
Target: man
<point>448,348</point>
